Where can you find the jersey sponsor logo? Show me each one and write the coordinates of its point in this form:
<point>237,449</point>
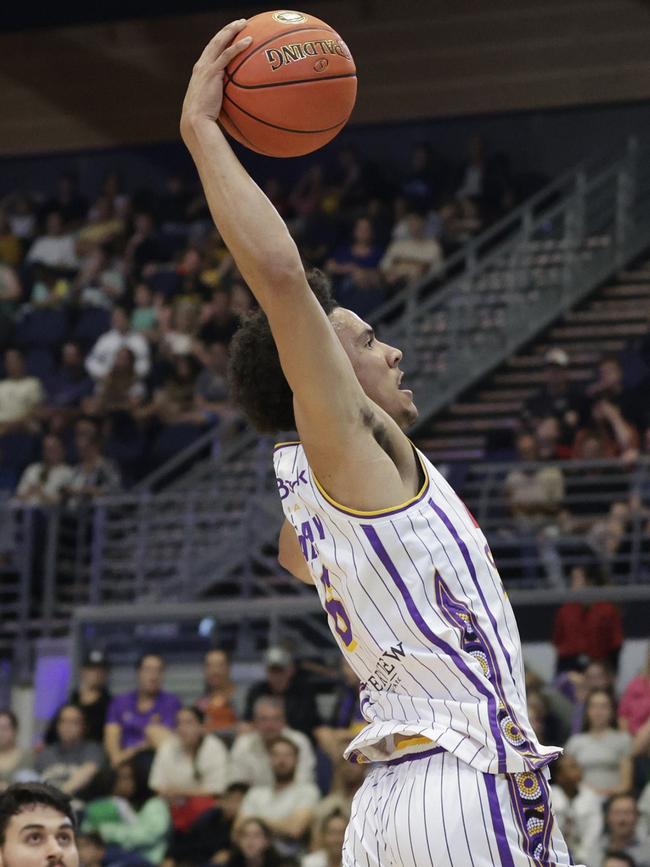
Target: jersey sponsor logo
<point>386,676</point>
<point>288,486</point>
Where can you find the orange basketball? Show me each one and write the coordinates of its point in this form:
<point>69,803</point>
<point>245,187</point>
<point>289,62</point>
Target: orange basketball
<point>293,89</point>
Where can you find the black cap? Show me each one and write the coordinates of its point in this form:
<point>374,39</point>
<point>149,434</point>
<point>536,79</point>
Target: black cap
<point>96,659</point>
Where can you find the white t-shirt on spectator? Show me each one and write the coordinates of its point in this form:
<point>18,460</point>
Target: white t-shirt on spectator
<point>316,859</point>
<point>59,252</point>
<point>580,820</point>
<point>267,802</point>
<point>600,756</point>
<point>18,397</point>
<point>100,360</point>
<point>51,480</point>
<point>173,768</point>
<point>250,762</point>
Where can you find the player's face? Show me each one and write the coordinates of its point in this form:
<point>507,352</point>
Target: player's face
<point>39,836</point>
<point>376,365</point>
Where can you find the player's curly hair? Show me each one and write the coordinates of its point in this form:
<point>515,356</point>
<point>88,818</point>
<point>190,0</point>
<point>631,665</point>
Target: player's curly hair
<point>257,381</point>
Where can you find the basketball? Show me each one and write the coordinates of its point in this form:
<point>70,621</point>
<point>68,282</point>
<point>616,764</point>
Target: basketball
<point>293,89</point>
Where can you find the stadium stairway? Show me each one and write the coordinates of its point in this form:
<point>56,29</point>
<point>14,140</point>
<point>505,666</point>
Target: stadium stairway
<point>604,324</point>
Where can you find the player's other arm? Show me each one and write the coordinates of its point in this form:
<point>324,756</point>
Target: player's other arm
<point>290,555</point>
<point>324,385</point>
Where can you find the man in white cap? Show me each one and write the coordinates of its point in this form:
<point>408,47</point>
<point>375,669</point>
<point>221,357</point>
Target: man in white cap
<point>557,398</point>
<point>286,683</point>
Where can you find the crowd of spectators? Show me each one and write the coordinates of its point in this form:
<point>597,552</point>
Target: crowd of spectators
<point>251,779</point>
<point>117,305</point>
<point>585,515</point>
<point>256,776</point>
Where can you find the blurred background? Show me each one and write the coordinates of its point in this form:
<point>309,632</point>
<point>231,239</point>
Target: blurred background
<point>488,210</point>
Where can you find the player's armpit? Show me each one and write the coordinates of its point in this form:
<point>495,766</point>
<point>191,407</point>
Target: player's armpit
<point>290,555</point>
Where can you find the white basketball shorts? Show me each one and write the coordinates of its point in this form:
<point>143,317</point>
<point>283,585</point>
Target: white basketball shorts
<point>436,811</point>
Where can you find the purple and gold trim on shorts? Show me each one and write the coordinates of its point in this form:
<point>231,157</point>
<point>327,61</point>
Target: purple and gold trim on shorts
<point>531,804</point>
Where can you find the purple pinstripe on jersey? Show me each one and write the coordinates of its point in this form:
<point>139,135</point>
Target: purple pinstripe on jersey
<point>472,571</point>
<point>420,622</point>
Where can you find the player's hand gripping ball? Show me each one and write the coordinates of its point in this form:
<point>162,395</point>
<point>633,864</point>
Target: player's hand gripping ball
<point>293,89</point>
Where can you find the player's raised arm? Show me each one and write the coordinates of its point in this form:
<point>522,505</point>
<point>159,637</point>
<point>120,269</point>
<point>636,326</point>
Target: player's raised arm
<point>266,255</point>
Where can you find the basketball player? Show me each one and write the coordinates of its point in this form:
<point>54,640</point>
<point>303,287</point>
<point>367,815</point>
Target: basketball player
<point>413,596</point>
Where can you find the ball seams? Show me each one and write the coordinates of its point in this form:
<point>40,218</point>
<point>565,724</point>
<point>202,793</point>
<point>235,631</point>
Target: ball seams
<point>295,81</point>
<point>284,128</point>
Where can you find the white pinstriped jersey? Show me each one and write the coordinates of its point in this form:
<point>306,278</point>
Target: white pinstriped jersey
<point>417,606</point>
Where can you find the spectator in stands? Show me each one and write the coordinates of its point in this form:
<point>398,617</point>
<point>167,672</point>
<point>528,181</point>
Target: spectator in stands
<point>22,216</point>
<point>602,751</point>
<point>617,438</point>
<point>13,759</point>
<point>285,682</point>
<point>346,720</point>
<point>25,807</point>
<point>122,390</point>
<point>474,171</point>
<point>286,805</point>
<point>535,497</point>
<point>211,390</point>
<point>10,295</point>
<point>44,483</point>
<point>69,383</point>
<point>174,402</point>
<point>348,777</point>
<point>190,764</point>
<point>102,356</point>
<point>143,316</point>
<point>56,248</point>
<point>72,761</point>
<point>99,282</point>
<point>133,822</point>
<point>92,696</point>
<point>103,225</point>
<point>609,386</point>
<point>21,395</point>
<point>68,201</point>
<point>557,398</point>
<point>217,321</point>
<point>143,246</point>
<point>141,720</point>
<point>577,686</point>
<point>413,258</point>
<point>218,700</point>
<point>209,838</point>
<point>618,859</point>
<point>578,809</point>
<point>623,832</point>
<point>634,706</point>
<point>92,849</point>
<point>253,846</point>
<point>11,250</point>
<point>178,338</point>
<point>354,268</point>
<point>584,630</point>
<point>93,475</point>
<point>250,760</point>
<point>332,834</point>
